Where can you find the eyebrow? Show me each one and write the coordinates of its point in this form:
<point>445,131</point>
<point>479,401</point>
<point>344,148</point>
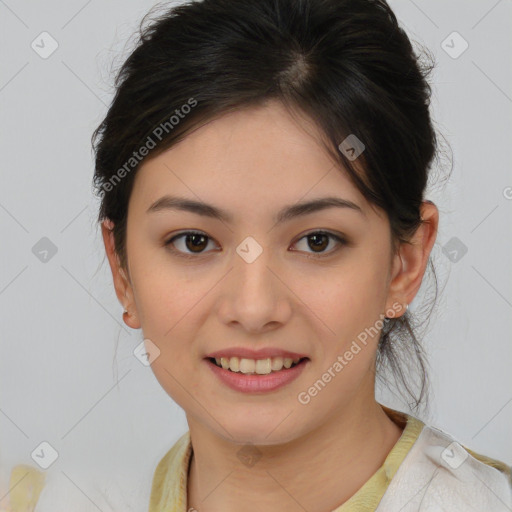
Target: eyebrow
<point>285,214</point>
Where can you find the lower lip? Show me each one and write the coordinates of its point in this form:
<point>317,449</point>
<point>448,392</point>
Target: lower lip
<point>257,383</point>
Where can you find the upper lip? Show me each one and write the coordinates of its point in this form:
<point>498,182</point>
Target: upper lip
<point>248,353</point>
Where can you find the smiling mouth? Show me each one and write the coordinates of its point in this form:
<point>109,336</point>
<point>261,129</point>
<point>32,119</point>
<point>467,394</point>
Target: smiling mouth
<point>256,366</point>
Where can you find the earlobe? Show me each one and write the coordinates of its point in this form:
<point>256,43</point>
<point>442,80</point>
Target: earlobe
<point>130,320</point>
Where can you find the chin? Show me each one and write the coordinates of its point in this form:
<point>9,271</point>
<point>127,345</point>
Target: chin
<point>257,430</point>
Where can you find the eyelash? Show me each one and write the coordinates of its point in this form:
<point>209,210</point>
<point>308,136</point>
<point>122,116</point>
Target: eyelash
<point>341,241</point>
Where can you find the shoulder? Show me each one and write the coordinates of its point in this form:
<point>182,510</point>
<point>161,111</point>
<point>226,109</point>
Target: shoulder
<point>76,489</point>
<point>443,449</point>
<point>45,491</point>
<point>493,463</point>
<point>439,473</point>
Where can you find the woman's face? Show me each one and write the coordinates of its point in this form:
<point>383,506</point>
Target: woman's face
<point>255,279</point>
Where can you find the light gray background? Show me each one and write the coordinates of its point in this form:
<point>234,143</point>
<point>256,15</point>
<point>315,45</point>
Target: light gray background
<point>61,320</point>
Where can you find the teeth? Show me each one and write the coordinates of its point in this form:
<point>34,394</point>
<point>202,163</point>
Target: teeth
<point>234,364</point>
<point>277,363</point>
<point>263,366</point>
<point>247,365</point>
<point>258,366</point>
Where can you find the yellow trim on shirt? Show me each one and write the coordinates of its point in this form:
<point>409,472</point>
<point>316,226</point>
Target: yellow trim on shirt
<point>25,486</point>
<point>169,490</point>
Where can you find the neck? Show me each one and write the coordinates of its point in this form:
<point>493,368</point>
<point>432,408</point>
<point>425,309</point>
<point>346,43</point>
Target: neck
<point>350,448</point>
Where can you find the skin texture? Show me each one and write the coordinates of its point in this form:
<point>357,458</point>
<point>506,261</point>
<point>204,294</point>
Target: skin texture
<point>253,162</point>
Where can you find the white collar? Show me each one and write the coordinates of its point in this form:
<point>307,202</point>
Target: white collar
<point>438,474</point>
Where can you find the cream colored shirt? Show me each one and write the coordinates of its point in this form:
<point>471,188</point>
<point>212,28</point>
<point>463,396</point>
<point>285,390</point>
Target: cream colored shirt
<point>169,489</point>
<point>425,471</point>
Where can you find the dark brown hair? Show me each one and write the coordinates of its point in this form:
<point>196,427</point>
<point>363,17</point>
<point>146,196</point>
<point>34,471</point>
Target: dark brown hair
<point>346,64</point>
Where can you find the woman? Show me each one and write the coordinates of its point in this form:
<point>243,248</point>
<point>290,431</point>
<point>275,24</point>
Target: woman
<point>262,171</point>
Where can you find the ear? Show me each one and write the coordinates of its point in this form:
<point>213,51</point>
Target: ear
<point>122,285</point>
<point>410,262</point>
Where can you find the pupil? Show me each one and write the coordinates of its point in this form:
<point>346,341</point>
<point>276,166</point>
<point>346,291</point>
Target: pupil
<point>316,237</point>
<point>196,243</point>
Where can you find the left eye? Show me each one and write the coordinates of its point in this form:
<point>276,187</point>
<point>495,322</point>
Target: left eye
<point>317,239</point>
<point>195,241</point>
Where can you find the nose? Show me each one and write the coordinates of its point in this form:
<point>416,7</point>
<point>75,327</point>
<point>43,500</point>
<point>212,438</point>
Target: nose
<point>255,295</point>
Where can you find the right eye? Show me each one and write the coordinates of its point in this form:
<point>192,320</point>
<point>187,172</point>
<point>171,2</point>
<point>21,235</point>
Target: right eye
<point>189,240</point>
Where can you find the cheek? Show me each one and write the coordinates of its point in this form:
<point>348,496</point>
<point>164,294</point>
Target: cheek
<point>169,307</point>
<point>163,296</point>
<point>172,309</point>
<point>350,296</point>
<point>348,308</point>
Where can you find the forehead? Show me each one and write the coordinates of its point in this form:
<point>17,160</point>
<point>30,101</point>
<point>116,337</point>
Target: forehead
<point>262,155</point>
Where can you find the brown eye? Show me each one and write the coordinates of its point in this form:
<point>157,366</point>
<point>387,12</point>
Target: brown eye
<point>189,242</point>
<point>319,240</point>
